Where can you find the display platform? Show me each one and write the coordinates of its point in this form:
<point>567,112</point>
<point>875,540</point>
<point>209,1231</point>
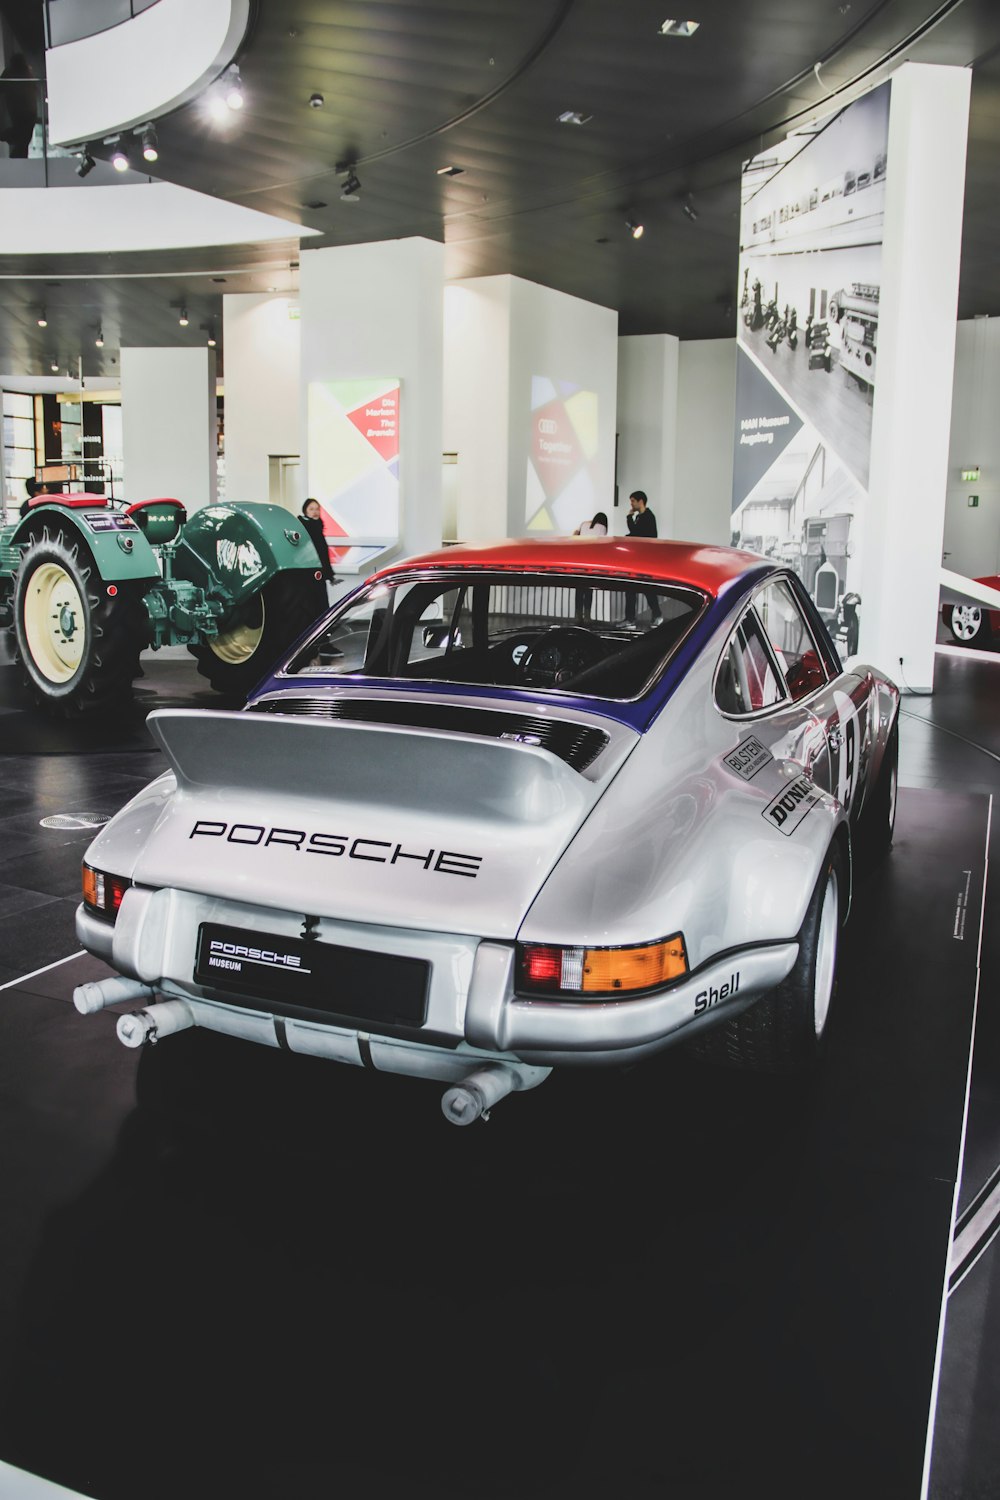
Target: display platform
<point>236,1271</point>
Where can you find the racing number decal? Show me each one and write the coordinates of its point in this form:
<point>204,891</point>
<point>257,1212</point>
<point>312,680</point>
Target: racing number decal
<point>845,734</point>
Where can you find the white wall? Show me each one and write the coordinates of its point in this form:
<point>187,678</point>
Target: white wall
<point>706,411</point>
<point>378,310</point>
<point>647,425</point>
<point>477,402</point>
<point>262,398</point>
<point>168,424</point>
<point>972,535</point>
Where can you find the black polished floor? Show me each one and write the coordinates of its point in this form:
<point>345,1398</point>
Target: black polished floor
<point>228,1271</point>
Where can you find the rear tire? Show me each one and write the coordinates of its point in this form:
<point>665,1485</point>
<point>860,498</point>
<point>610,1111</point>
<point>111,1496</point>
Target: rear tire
<point>785,1031</point>
<point>257,633</point>
<point>77,644</point>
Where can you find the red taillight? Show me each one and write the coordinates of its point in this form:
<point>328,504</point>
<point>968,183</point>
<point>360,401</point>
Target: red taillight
<point>102,892</point>
<point>542,966</point>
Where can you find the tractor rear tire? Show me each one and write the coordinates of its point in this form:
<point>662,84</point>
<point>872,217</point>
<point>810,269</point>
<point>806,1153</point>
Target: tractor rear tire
<point>77,639</point>
<point>257,633</point>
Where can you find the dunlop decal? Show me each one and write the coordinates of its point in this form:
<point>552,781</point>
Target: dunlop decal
<point>787,810</point>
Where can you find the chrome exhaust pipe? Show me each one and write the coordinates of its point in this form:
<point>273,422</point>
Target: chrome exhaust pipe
<point>96,994</point>
<point>154,1023</point>
<point>475,1096</point>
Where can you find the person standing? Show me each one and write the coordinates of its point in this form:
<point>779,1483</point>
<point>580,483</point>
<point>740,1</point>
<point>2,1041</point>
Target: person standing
<point>312,520</point>
<point>584,597</point>
<point>641,522</point>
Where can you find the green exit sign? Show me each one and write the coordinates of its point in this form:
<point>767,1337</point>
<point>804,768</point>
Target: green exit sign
<point>970,476</point>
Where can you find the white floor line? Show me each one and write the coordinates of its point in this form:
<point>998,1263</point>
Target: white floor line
<point>10,983</point>
<point>18,1484</point>
<point>932,1414</point>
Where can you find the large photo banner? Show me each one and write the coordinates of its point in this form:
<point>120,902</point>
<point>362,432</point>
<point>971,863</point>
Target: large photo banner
<point>563,460</point>
<point>811,226</point>
<point>353,437</point>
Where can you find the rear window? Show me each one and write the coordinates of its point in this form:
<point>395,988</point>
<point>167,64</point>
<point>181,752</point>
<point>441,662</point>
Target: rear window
<point>598,637</point>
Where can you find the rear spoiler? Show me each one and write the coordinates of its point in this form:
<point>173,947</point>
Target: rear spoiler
<point>413,769</point>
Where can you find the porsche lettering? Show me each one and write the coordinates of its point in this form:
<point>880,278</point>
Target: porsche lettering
<point>335,845</point>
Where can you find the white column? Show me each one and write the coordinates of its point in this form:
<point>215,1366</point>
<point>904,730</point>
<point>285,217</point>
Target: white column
<point>262,393</point>
<point>168,424</point>
<point>703,473</point>
<point>477,401</point>
<point>373,311</point>
<point>972,533</point>
<point>647,425</point>
<point>928,126</point>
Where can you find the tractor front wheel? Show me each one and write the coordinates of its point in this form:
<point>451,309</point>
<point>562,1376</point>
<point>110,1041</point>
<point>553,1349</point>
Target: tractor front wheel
<point>77,638</point>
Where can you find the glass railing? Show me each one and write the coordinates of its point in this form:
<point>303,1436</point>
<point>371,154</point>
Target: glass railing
<point>72,20</point>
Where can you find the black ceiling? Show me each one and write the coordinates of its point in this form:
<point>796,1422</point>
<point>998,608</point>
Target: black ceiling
<point>411,86</point>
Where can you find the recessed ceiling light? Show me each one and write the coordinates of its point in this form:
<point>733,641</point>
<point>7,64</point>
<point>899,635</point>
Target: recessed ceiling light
<point>218,278</point>
<point>573,117</point>
<point>450,171</point>
<point>679,28</point>
<point>316,101</point>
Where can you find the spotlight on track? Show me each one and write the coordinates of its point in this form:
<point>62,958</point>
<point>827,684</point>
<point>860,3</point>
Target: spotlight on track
<point>150,149</point>
<point>635,229</point>
<point>689,208</point>
<point>42,319</point>
<point>351,190</point>
<point>86,163</point>
<point>184,320</point>
<point>211,339</point>
<point>233,93</point>
<point>120,160</point>
<point>99,341</point>
<point>54,369</point>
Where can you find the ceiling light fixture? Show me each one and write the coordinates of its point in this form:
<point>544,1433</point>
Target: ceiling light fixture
<point>42,320</point>
<point>99,341</point>
<point>450,171</point>
<point>184,320</point>
<point>635,229</point>
<point>54,369</point>
<point>119,159</point>
<point>150,149</point>
<point>679,28</point>
<point>351,191</point>
<point>210,341</point>
<point>86,163</point>
<point>573,117</point>
<point>690,209</point>
<point>316,101</point>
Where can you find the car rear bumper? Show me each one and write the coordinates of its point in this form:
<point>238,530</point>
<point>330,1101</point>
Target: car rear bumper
<point>472,1010</point>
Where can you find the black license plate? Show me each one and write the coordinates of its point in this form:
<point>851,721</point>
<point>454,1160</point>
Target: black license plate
<point>295,976</point>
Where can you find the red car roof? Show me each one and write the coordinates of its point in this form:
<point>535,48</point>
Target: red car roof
<point>704,567</point>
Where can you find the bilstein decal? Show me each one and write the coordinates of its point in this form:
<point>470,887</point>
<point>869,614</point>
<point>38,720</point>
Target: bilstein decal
<point>339,846</point>
<point>787,810</point>
<point>749,757</point>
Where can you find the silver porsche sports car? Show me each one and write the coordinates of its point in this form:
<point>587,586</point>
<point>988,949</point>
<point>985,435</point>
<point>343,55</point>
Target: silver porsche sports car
<point>506,808</point>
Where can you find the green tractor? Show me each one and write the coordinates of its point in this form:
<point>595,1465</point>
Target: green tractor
<point>86,583</point>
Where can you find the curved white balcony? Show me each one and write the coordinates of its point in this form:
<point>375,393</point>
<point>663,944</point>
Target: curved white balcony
<point>140,69</point>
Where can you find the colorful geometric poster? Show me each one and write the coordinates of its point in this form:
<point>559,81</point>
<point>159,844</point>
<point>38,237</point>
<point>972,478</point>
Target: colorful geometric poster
<point>353,449</point>
<point>810,274</point>
<point>562,476</point>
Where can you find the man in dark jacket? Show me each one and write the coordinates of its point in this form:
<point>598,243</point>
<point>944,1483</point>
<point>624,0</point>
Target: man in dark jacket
<point>641,522</point>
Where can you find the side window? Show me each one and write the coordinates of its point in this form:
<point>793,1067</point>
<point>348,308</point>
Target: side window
<point>746,681</point>
<point>790,638</point>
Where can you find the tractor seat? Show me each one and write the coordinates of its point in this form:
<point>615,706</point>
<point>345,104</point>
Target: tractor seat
<point>161,520</point>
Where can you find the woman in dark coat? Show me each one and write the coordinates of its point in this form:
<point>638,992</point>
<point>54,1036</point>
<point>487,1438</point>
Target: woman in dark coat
<point>313,523</point>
